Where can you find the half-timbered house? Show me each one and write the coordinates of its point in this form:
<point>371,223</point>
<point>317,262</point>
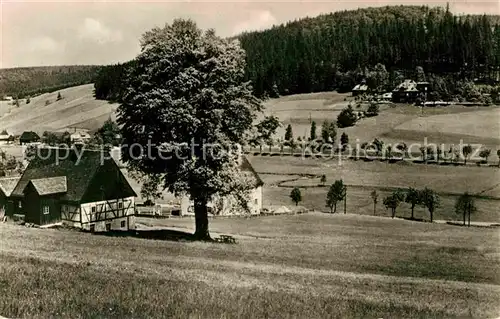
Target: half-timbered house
<point>79,188</point>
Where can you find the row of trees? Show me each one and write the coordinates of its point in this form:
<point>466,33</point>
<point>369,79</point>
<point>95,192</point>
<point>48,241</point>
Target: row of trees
<point>464,204</point>
<point>336,193</point>
<point>426,198</point>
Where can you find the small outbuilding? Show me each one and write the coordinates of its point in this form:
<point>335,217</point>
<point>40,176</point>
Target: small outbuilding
<point>28,137</point>
<point>7,185</point>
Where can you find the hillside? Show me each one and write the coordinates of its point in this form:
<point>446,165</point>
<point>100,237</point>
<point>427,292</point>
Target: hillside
<point>23,82</point>
<point>337,50</point>
<point>78,108</point>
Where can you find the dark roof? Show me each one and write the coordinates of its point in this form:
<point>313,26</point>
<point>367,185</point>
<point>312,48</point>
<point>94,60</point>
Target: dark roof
<point>79,168</point>
<point>50,185</point>
<point>29,135</point>
<point>247,167</point>
<point>407,86</point>
<point>8,184</point>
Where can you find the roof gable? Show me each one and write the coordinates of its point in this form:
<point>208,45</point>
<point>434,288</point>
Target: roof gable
<point>78,167</point>
<point>7,185</point>
<point>245,166</point>
<point>50,185</point>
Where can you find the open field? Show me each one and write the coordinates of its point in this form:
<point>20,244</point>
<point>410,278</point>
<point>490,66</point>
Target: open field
<point>281,174</point>
<point>78,108</point>
<point>313,265</point>
<point>395,123</point>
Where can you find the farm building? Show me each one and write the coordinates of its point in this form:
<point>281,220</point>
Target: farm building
<point>360,89</point>
<point>28,137</point>
<point>228,205</point>
<point>405,92</point>
<point>83,189</point>
<point>81,137</point>
<point>4,139</point>
<point>7,185</point>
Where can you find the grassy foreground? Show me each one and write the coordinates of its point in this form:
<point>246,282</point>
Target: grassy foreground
<point>313,265</point>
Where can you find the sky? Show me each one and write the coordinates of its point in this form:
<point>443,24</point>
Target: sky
<point>35,33</point>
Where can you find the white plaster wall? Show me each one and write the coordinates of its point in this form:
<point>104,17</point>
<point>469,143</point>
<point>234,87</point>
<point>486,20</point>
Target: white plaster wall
<point>128,204</point>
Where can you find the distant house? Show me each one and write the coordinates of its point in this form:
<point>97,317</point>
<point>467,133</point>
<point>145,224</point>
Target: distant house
<point>28,137</point>
<point>228,205</point>
<point>5,138</point>
<point>87,192</point>
<point>405,92</point>
<point>359,89</point>
<point>7,185</point>
<point>81,137</point>
<point>7,98</point>
<point>423,87</point>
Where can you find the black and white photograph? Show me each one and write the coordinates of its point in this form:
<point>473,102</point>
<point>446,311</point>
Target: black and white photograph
<point>249,159</point>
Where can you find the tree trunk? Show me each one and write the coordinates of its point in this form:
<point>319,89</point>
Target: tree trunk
<point>345,205</point>
<point>374,208</point>
<point>334,208</point>
<point>201,220</point>
<point>469,219</point>
<point>393,212</point>
<point>431,215</point>
<point>465,213</point>
<point>412,209</point>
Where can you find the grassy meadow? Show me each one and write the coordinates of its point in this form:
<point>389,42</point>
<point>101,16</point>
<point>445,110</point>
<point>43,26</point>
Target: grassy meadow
<point>312,265</point>
<point>78,108</point>
<point>281,174</point>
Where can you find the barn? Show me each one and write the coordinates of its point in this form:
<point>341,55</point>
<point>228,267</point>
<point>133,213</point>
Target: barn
<point>28,137</point>
<point>78,188</point>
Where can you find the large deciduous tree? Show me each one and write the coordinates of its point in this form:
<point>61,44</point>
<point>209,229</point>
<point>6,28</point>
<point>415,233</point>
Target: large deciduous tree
<point>188,106</point>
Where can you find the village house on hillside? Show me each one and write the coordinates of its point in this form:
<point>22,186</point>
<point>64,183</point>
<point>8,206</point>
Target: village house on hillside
<point>80,137</point>
<point>7,185</point>
<point>229,205</point>
<point>89,192</point>
<point>360,89</point>
<point>405,92</point>
<point>5,138</point>
<point>28,137</point>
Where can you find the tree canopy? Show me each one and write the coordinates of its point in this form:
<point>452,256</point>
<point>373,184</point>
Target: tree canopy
<point>187,102</point>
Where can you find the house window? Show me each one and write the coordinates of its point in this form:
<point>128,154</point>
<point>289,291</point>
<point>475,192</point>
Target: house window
<point>122,224</point>
<point>93,209</point>
<point>120,205</point>
<point>256,201</point>
<point>92,228</point>
<point>46,210</point>
<point>20,204</point>
<point>108,227</point>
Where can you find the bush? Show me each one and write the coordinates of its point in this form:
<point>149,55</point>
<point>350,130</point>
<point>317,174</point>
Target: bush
<point>373,110</point>
<point>346,118</point>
